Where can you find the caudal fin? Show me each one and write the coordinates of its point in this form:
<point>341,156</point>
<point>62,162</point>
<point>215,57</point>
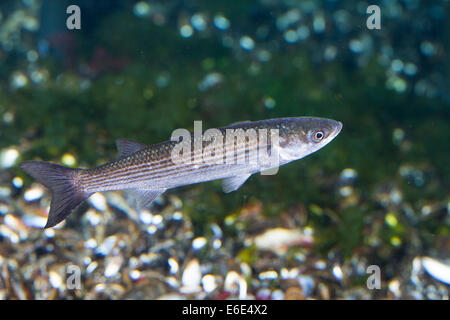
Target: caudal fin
<point>67,193</point>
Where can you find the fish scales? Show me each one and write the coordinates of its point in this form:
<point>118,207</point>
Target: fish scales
<point>145,167</point>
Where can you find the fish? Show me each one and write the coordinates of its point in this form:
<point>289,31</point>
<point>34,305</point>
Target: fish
<point>232,154</point>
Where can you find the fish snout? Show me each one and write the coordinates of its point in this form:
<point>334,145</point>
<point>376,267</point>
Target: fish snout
<point>336,128</point>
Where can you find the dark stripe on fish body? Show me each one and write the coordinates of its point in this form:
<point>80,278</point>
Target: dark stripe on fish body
<point>145,171</point>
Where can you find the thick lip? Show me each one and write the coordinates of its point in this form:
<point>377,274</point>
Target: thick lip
<point>338,129</point>
<point>340,125</point>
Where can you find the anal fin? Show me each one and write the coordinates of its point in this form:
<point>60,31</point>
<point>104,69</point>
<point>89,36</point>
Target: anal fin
<point>233,183</point>
<point>144,198</point>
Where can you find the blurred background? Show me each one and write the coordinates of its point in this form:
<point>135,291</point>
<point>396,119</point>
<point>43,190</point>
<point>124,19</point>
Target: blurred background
<point>377,195</point>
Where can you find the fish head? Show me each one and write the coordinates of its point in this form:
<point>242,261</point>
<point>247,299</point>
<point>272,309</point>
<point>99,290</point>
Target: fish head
<point>302,136</point>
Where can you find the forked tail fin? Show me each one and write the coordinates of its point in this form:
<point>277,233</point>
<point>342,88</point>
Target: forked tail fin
<point>67,192</point>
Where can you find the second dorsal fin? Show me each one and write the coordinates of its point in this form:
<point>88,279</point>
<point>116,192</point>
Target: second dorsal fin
<point>125,147</point>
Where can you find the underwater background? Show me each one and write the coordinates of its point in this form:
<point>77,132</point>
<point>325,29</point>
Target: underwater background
<point>378,195</point>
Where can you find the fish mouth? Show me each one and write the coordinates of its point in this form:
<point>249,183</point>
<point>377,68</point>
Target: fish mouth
<point>337,129</point>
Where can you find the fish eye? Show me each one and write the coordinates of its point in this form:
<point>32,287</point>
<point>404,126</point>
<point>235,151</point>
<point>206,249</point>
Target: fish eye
<point>318,135</point>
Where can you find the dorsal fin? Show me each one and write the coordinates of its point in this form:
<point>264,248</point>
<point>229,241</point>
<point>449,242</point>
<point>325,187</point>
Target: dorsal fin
<point>239,123</point>
<point>125,147</point>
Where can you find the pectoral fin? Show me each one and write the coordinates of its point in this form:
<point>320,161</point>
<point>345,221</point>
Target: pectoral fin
<point>144,198</point>
<point>126,147</point>
<point>233,183</point>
